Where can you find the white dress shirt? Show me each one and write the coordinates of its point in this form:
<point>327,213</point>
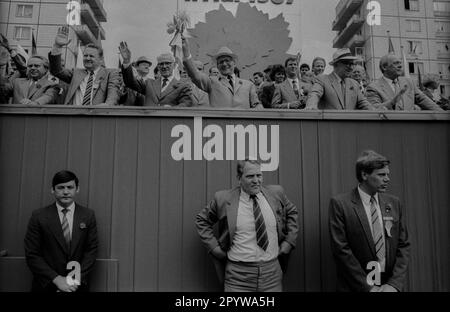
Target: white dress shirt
<point>79,94</point>
<point>244,246</point>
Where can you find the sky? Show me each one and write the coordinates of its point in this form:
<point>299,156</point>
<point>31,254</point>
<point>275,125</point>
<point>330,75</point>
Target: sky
<point>143,24</point>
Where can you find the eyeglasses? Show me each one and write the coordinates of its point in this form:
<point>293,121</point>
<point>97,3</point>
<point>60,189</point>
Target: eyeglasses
<point>348,63</point>
<point>34,65</point>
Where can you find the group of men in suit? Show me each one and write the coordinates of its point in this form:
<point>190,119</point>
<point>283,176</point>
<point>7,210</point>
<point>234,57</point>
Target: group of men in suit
<point>258,227</point>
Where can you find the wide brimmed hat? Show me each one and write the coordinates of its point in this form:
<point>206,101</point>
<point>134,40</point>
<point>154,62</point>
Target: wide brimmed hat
<point>165,57</point>
<point>143,59</point>
<point>341,55</point>
<point>224,51</point>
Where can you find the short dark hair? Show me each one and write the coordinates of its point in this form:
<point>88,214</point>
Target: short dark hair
<point>277,68</point>
<point>369,161</point>
<point>94,46</point>
<point>290,59</point>
<point>318,58</point>
<point>304,65</point>
<point>64,176</point>
<point>268,69</point>
<point>155,70</point>
<point>260,74</point>
<point>241,164</point>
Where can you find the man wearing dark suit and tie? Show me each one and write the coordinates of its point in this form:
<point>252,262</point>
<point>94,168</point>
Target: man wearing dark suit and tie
<point>93,85</point>
<point>368,231</point>
<point>257,230</point>
<point>165,91</point>
<point>58,234</point>
<point>394,92</point>
<point>337,90</point>
<point>226,90</point>
<point>38,89</point>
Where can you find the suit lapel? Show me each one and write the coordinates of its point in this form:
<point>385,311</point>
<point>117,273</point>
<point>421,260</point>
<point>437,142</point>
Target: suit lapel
<point>169,88</point>
<point>271,200</point>
<point>78,76</point>
<point>386,88</point>
<point>101,75</point>
<point>288,89</point>
<point>77,218</point>
<point>56,227</point>
<point>224,81</point>
<point>41,82</point>
<point>232,210</point>
<point>238,85</point>
<point>358,207</point>
<point>156,84</point>
<point>384,215</point>
<point>337,87</point>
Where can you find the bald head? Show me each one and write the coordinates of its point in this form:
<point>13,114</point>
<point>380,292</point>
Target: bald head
<point>391,66</point>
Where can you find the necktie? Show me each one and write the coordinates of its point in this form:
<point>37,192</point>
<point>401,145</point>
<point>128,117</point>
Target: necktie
<point>343,89</point>
<point>295,87</point>
<point>399,104</point>
<point>230,80</point>
<point>165,80</point>
<point>88,92</point>
<point>65,227</point>
<point>377,231</point>
<point>260,226</point>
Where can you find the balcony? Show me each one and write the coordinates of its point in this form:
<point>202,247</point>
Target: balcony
<point>344,10</point>
<point>443,54</point>
<point>441,13</point>
<point>442,34</point>
<point>91,21</point>
<point>356,41</point>
<point>345,35</point>
<point>84,33</point>
<point>98,9</point>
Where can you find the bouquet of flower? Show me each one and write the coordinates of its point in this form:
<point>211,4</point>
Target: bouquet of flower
<point>180,22</point>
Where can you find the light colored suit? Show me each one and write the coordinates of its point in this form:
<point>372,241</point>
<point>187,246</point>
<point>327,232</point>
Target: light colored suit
<point>379,94</point>
<point>177,93</point>
<point>44,91</point>
<point>326,93</point>
<point>221,93</point>
<point>284,93</point>
<point>105,88</point>
<point>223,209</point>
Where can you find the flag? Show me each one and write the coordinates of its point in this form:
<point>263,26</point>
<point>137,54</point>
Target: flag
<point>33,44</point>
<point>420,78</point>
<point>405,64</point>
<point>79,57</point>
<point>20,50</point>
<point>120,62</point>
<point>391,45</point>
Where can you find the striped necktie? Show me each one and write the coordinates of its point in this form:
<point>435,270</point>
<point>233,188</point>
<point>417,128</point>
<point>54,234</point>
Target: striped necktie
<point>88,92</point>
<point>65,227</point>
<point>260,226</point>
<point>377,231</point>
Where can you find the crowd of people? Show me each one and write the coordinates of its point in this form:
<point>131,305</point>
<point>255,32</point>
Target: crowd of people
<point>45,80</point>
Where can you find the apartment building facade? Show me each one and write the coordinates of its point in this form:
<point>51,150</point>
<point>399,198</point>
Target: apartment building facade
<point>19,20</point>
<point>422,27</point>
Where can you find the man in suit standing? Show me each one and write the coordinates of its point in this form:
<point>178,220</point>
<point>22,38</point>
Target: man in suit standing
<point>257,230</point>
<point>38,89</point>
<point>394,92</point>
<point>58,234</point>
<point>227,90</point>
<point>288,93</point>
<point>337,90</point>
<point>165,91</point>
<point>367,227</point>
<point>93,85</point>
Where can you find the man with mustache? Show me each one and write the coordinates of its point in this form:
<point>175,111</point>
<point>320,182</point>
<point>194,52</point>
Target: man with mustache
<point>226,90</point>
<point>337,90</point>
<point>369,239</point>
<point>257,231</point>
<point>38,88</point>
<point>93,85</point>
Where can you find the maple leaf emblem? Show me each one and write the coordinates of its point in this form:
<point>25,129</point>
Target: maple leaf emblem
<point>257,40</point>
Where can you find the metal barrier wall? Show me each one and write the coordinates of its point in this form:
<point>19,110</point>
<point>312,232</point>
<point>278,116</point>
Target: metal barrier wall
<point>146,202</point>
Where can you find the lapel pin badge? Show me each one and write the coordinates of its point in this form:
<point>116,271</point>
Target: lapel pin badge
<point>82,225</point>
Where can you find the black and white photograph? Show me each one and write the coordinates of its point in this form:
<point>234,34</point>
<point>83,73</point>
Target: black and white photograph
<point>208,147</point>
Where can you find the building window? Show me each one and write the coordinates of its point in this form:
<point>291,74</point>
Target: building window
<point>413,68</point>
<point>414,47</point>
<point>442,26</point>
<point>413,25</point>
<point>444,70</point>
<point>441,6</point>
<point>22,33</point>
<point>412,5</point>
<point>24,10</point>
<point>442,47</point>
